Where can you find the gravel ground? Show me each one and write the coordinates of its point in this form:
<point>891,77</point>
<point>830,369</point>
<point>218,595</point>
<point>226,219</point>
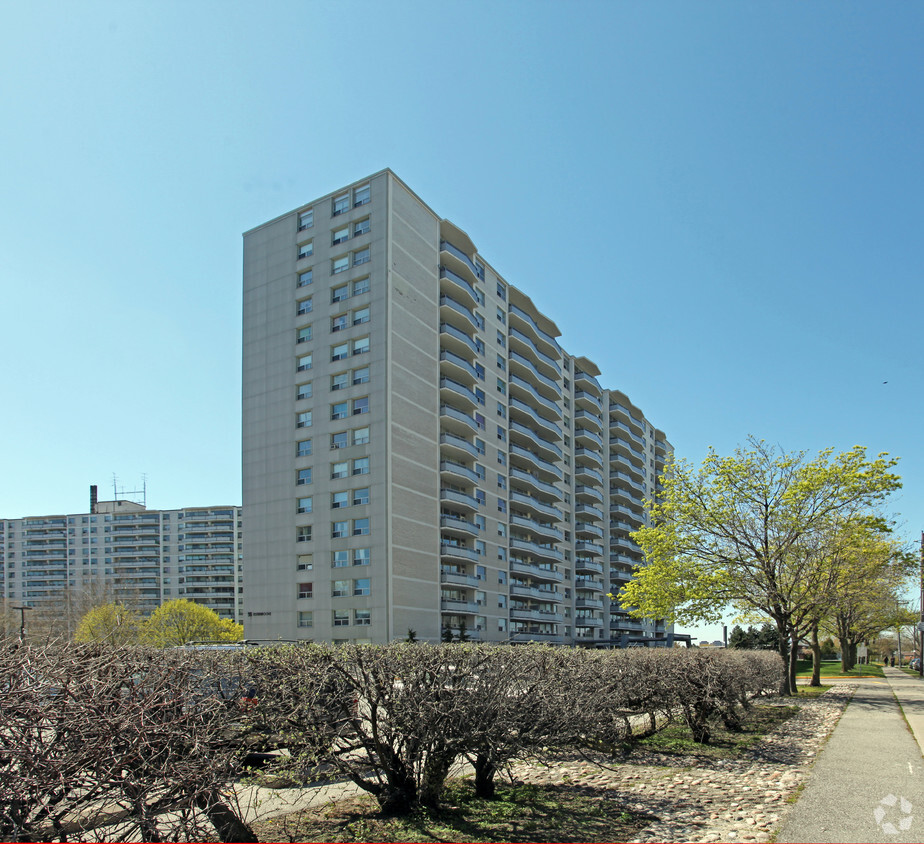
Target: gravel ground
<point>738,800</point>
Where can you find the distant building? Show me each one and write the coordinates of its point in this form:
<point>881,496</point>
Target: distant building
<point>121,550</point>
<point>419,452</point>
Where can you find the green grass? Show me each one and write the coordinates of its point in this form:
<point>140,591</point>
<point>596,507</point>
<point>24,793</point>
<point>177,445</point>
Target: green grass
<point>518,813</point>
<point>911,672</point>
<point>833,669</point>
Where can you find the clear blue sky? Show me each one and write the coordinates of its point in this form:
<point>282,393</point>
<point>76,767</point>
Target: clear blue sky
<point>721,203</point>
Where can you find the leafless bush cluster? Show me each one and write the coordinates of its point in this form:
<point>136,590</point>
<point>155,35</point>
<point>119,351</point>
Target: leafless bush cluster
<point>393,719</point>
<point>98,743</point>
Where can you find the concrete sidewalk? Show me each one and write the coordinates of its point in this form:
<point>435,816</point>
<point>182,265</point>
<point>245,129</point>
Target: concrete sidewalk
<point>868,782</point>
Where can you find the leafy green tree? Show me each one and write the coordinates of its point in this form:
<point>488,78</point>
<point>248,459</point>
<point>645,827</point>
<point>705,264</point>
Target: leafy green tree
<point>180,622</point>
<point>750,530</point>
<point>112,623</point>
<point>741,639</point>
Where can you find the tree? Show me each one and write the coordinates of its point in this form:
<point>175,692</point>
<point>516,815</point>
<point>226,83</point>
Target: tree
<point>446,635</point>
<point>411,635</point>
<point>462,635</point>
<point>180,622</point>
<point>114,624</point>
<point>750,530</point>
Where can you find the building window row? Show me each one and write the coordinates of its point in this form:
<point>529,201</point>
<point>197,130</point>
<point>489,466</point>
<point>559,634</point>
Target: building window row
<point>342,380</point>
<point>351,588</point>
<point>343,291</point>
<point>352,259</point>
<point>345,409</point>
<point>344,233</point>
<point>341,351</point>
<point>356,497</point>
<point>343,529</point>
<point>359,556</point>
<point>342,202</point>
<point>345,320</point>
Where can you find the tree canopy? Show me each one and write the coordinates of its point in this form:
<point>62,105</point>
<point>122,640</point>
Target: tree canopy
<point>759,530</point>
<point>113,623</point>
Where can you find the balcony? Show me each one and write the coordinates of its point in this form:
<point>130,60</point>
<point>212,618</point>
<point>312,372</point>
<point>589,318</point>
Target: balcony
<point>461,498</point>
<point>549,342</point>
<point>622,412</point>
<point>594,420</point>
<point>463,368</point>
<point>518,360</point>
<point>455,340</point>
<point>625,448</point>
<point>627,496</point>
<point>536,572</point>
<point>522,342</point>
<point>543,552</point>
<point>624,559</point>
<point>459,471</point>
<point>588,547</point>
<point>460,579</point>
<point>585,529</point>
<point>588,511</point>
<point>625,429</point>
<point>591,492</point>
<point>535,461</point>
<point>628,479</point>
<point>585,381</point>
<point>585,473</point>
<point>584,564</point>
<point>590,456</point>
<point>452,444</point>
<point>547,595</point>
<point>463,607</point>
<point>459,255</point>
<point>544,530</point>
<point>453,523</point>
<point>451,390</point>
<point>451,309</point>
<point>535,439</point>
<point>588,583</point>
<point>517,384</point>
<point>457,552</point>
<point>534,483</point>
<point>458,284</point>
<point>589,400</point>
<point>536,636</point>
<point>549,428</point>
<point>536,505</point>
<point>587,438</point>
<point>521,614</point>
<point>451,415</point>
<point>627,511</point>
<point>587,621</point>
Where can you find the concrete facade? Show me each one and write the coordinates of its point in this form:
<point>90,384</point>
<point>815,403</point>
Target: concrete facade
<point>419,452</point>
<point>123,551</point>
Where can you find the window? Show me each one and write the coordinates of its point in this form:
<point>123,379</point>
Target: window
<point>339,500</point>
<point>361,527</point>
<point>340,235</point>
<point>501,529</point>
<point>303,533</point>
<point>362,256</point>
<point>362,586</point>
<point>362,196</point>
<point>306,250</point>
<point>501,434</point>
<point>479,446</point>
<point>360,315</point>
<point>360,496</point>
<point>501,363</point>
<point>362,556</point>
<point>501,340</point>
<point>362,618</point>
<point>303,335</point>
<point>480,471</point>
<point>339,530</point>
<point>501,290</point>
<point>501,482</point>
<point>340,381</point>
<point>339,559</point>
<point>479,395</point>
<point>339,440</point>
<point>360,436</point>
<point>339,322</point>
<point>303,363</point>
<point>361,227</point>
<point>303,448</point>
<point>339,265</point>
<point>338,294</point>
<point>305,278</point>
<point>479,371</point>
<point>339,470</point>
<point>340,588</point>
<point>479,547</point>
<point>305,619</point>
<point>501,386</point>
<point>341,204</point>
<point>303,505</point>
<point>339,410</point>
<point>306,219</point>
<point>303,477</point>
<point>303,419</point>
<point>361,346</point>
<point>501,505</point>
<point>305,562</point>
<point>305,590</point>
<point>501,316</point>
<point>361,466</point>
<point>361,375</point>
<point>361,285</point>
<point>360,405</point>
<point>501,458</point>
<point>304,307</point>
<point>479,421</point>
<point>303,391</point>
<point>340,351</point>
<point>341,618</point>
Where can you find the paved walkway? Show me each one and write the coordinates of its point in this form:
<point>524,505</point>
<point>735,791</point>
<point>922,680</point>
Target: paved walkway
<point>868,781</point>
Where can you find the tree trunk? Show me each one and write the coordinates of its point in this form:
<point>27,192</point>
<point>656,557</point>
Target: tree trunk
<point>484,777</point>
<point>816,658</point>
<point>793,659</point>
<point>228,825</point>
<point>853,654</point>
<point>783,644</point>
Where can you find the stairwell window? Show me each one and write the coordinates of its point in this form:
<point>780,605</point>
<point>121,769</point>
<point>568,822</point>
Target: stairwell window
<point>361,346</point>
<point>339,322</point>
<point>303,419</point>
<point>303,505</point>
<point>362,586</point>
<point>360,436</point>
<point>303,477</point>
<point>361,527</point>
<point>303,448</point>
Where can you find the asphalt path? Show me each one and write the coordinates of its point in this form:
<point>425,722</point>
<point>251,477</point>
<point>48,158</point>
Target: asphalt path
<point>868,781</point>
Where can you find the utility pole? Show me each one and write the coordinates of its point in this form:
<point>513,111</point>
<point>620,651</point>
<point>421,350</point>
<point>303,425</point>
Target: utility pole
<point>22,622</point>
<point>921,622</point>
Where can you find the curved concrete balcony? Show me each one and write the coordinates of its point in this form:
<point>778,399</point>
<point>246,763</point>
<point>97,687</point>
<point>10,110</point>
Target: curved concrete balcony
<point>547,471</point>
<point>548,343</point>
<point>589,583</point>
<point>625,450</point>
<point>627,511</point>
<point>536,636</point>
<point>590,493</point>
<point>462,607</point>
<point>533,483</point>
<point>534,549</point>
<point>452,418</point>
<point>589,512</point>
<point>625,559</point>
<point>462,499</point>
<point>533,417</point>
<point>584,564</point>
<point>457,394</point>
<point>521,614</point>
<point>592,420</point>
<point>627,431</point>
<point>627,479</point>
<point>587,438</point>
<point>661,448</point>
<point>463,259</point>
<point>448,551</point>
<point>546,531</point>
<point>546,448</point>
<point>458,273</point>
<point>587,382</point>
<point>536,572</point>
<point>546,595</point>
<point>452,445</point>
<point>587,547</point>
<point>521,386</point>
<point>523,344</point>
<point>459,579</point>
<point>587,621</point>
<point>589,401</point>
<point>589,603</point>
<point>587,475</point>
<point>535,505</point>
<point>457,341</point>
<point>589,456</point>
<point>453,311</point>
<point>624,542</point>
<point>526,368</point>
<point>453,524</point>
<point>620,411</point>
<point>586,529</point>
<point>627,496</point>
<point>457,367</point>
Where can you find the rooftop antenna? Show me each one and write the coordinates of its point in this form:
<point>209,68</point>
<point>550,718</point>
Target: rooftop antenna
<point>131,494</point>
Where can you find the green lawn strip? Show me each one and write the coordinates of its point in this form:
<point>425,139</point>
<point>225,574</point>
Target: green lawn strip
<point>911,672</point>
<point>833,669</point>
<point>520,812</point>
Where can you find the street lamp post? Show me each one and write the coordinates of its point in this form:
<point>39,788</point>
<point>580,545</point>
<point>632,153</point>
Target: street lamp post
<point>22,622</point>
<point>921,622</point>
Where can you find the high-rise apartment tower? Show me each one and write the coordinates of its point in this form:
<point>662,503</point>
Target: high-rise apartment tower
<point>419,452</point>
